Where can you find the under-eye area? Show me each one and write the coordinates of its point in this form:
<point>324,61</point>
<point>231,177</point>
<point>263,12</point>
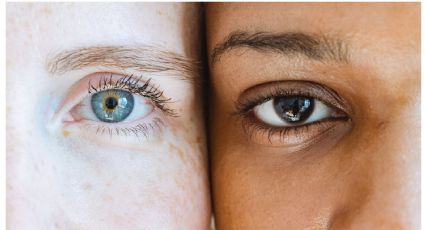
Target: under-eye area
<point>109,104</point>
<point>291,113</point>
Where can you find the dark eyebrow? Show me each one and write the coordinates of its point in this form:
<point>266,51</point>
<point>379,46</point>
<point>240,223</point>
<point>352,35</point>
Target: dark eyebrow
<point>317,47</point>
<point>141,58</point>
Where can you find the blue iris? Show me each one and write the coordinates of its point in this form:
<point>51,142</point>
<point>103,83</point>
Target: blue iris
<point>112,105</point>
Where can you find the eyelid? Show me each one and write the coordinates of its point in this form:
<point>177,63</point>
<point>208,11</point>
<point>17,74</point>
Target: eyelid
<point>266,91</point>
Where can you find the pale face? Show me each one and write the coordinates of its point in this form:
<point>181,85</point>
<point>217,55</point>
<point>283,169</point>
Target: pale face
<point>315,115</point>
<point>103,158</point>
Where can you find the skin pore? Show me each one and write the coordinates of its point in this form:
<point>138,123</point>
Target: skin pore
<point>358,170</point>
<point>68,170</point>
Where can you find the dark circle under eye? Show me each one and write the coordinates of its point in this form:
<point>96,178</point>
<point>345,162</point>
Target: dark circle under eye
<point>112,105</point>
<point>293,109</point>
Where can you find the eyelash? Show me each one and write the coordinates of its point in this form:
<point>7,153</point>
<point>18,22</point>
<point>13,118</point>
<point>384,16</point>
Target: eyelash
<point>131,84</point>
<point>245,106</point>
<point>134,85</point>
<point>144,129</point>
<point>253,126</point>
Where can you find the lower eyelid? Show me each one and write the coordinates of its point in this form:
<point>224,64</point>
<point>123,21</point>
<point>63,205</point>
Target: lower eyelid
<point>141,130</point>
<point>295,137</point>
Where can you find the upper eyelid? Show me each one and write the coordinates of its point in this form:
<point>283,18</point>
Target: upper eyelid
<point>106,82</point>
<point>141,58</point>
<point>272,90</point>
<point>135,85</point>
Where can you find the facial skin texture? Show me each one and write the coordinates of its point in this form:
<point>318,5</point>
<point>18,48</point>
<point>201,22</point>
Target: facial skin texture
<point>70,177</point>
<point>363,176</point>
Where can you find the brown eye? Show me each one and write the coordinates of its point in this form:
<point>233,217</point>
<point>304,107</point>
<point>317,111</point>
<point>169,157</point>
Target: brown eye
<point>293,109</point>
<point>291,113</point>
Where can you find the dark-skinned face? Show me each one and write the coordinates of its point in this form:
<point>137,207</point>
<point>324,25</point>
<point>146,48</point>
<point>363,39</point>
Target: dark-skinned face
<point>315,115</point>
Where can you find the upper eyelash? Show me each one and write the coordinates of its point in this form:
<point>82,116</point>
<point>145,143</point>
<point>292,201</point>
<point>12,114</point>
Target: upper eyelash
<point>132,84</point>
<point>245,106</point>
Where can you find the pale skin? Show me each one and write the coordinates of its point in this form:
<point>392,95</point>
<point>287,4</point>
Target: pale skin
<point>64,175</point>
<point>365,172</point>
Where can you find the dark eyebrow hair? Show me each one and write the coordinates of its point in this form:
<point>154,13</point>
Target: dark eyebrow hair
<point>142,58</point>
<point>317,47</point>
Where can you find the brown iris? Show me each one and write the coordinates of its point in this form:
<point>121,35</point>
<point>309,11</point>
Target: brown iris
<point>293,109</point>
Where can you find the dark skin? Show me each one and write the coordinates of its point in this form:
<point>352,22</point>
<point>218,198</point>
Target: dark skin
<point>359,170</point>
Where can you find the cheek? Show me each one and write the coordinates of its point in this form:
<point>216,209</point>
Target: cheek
<point>368,171</point>
<point>107,183</point>
<point>35,182</point>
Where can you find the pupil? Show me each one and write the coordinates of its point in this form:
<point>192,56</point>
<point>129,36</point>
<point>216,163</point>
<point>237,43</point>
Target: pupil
<point>111,102</point>
<point>293,109</point>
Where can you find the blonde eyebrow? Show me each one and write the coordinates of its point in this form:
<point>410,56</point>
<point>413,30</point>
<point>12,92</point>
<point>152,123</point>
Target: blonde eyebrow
<point>141,58</point>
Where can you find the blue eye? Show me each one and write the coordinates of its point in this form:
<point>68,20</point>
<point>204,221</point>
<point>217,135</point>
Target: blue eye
<point>112,105</point>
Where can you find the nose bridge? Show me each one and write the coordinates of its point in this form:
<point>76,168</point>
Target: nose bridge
<point>384,189</point>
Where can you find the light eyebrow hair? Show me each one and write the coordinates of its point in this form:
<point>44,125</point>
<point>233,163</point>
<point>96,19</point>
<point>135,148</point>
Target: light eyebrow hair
<point>312,46</point>
<point>142,58</point>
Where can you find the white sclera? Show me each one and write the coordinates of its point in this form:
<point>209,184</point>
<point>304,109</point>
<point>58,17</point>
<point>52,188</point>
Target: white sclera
<point>267,114</point>
<point>142,108</point>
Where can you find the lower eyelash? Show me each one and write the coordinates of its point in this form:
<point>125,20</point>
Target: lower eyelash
<point>252,127</point>
<point>141,130</point>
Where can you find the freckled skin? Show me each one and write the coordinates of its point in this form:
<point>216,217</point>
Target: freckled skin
<point>60,180</point>
<point>66,133</point>
<point>370,178</point>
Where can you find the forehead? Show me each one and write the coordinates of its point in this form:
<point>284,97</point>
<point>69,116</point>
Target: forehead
<point>55,26</point>
<point>373,20</point>
<point>382,37</point>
